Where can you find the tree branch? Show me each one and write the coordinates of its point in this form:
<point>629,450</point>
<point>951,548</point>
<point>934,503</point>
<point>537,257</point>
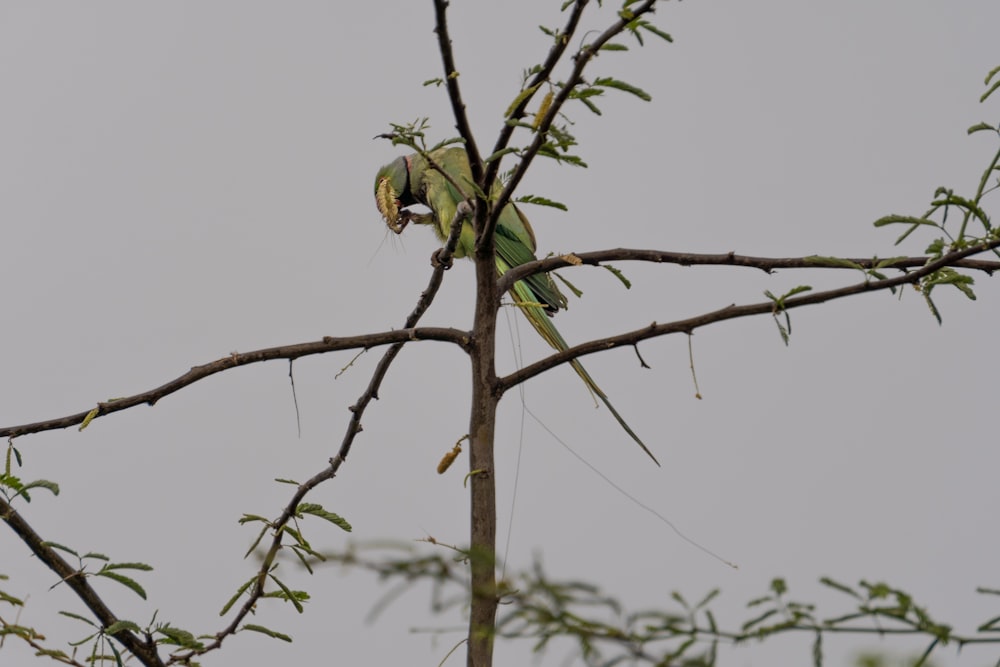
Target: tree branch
<point>144,650</point>
<point>582,59</point>
<point>766,264</point>
<point>553,58</point>
<point>454,92</point>
<point>732,312</point>
<point>327,344</point>
<point>441,263</point>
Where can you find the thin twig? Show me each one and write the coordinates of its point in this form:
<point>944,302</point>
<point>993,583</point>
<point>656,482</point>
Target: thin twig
<point>454,92</point>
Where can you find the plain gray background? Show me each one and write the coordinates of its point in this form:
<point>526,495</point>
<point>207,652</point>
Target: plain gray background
<point>181,180</point>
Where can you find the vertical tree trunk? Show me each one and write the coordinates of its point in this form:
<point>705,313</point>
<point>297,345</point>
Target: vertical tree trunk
<point>482,621</point>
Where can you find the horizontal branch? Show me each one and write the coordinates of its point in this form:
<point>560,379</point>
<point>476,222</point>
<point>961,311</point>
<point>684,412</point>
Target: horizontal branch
<point>290,352</point>
<point>732,312</point>
<point>766,264</point>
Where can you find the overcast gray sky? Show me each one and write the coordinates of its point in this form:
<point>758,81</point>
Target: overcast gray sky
<point>181,180</point>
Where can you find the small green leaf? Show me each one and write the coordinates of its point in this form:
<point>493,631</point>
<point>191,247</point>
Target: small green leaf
<point>930,304</point>
<point>646,25</point>
<point>11,600</point>
<point>609,82</point>
<point>300,553</point>
<point>179,637</point>
<point>833,261</point>
<point>590,105</point>
<point>317,510</point>
<point>978,127</point>
<point>611,46</point>
<point>270,633</point>
<point>260,536</point>
<point>500,153</point>
<point>118,626</point>
<point>843,588</point>
<point>708,598</point>
<point>991,74</point>
<point>56,654</point>
<point>619,275</point>
<point>991,90</point>
<point>11,482</point>
<point>124,581</point>
<point>288,594</point>
<point>908,219</point>
<point>570,286</point>
<point>521,97</point>
<point>541,201</point>
<point>757,620</point>
<point>86,620</point>
<point>60,547</point>
<point>797,290</point>
<point>42,484</point>
<point>297,536</point>
<point>128,566</point>
<point>936,247</point>
<point>248,518</point>
<point>886,262</point>
<point>240,591</point>
<point>433,82</point>
<point>446,142</point>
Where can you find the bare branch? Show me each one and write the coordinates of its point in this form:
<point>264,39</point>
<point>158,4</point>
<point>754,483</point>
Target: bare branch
<point>766,264</point>
<point>327,344</point>
<point>732,312</point>
<point>442,261</point>
<point>454,93</point>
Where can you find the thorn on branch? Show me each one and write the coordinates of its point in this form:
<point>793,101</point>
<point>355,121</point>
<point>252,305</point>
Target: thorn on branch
<point>642,362</point>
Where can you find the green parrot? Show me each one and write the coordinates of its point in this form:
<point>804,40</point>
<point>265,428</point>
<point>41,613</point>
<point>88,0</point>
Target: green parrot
<point>411,180</point>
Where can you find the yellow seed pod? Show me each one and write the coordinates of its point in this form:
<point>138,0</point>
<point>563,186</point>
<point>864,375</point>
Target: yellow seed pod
<point>450,457</point>
<point>385,199</point>
<point>543,109</point>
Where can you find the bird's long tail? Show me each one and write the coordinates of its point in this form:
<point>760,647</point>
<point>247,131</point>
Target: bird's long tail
<point>528,304</point>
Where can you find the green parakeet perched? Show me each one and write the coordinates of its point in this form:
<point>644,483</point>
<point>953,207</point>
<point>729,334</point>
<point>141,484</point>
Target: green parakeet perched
<point>411,180</point>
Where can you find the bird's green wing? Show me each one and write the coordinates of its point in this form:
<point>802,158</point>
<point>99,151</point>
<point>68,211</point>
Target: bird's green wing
<point>513,251</point>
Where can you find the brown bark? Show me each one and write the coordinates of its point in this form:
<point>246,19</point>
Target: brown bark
<point>482,426</point>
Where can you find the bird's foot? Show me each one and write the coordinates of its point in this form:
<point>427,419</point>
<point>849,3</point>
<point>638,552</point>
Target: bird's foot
<point>441,259</point>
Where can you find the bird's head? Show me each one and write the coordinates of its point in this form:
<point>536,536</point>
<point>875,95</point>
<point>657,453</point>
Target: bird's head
<point>392,189</point>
